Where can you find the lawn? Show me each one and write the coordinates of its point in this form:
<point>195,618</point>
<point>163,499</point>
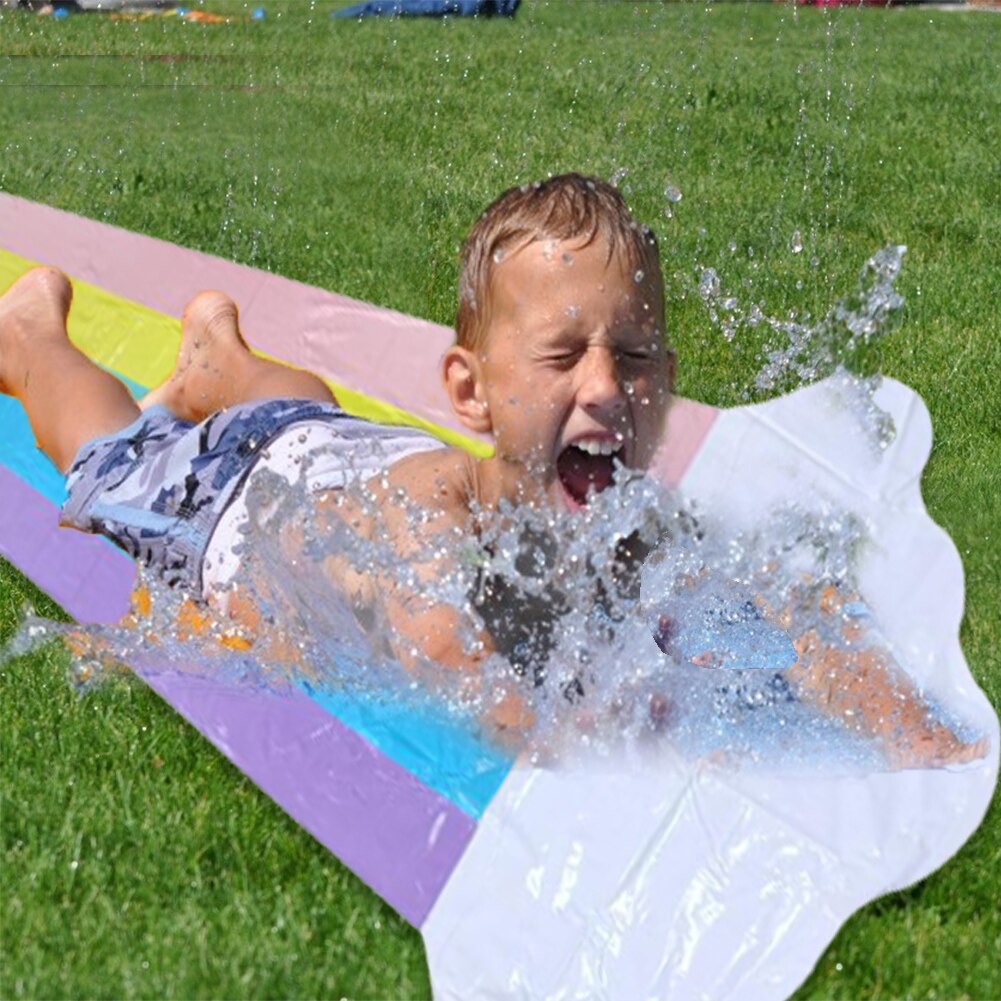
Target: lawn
<point>354,156</point>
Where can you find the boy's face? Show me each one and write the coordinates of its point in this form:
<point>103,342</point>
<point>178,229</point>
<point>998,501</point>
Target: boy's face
<point>574,374</point>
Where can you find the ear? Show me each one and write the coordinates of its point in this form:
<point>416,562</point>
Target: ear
<point>460,371</point>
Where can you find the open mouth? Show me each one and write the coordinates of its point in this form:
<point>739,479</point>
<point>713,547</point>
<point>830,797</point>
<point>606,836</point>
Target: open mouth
<point>586,466</point>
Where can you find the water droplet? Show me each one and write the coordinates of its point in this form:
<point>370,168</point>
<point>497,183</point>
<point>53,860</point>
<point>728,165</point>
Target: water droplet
<point>796,242</point>
<point>672,193</point>
<point>639,276</point>
<point>709,284</point>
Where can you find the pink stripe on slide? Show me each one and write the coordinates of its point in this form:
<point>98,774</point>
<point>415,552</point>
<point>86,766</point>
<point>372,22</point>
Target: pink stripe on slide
<point>375,351</point>
<point>688,426</point>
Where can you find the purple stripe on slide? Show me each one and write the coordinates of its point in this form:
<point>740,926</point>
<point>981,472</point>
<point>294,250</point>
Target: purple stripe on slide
<point>398,835</point>
<point>375,351</point>
<point>394,832</point>
<point>85,574</point>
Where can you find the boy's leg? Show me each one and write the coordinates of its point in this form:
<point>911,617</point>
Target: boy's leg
<point>215,368</point>
<point>68,399</point>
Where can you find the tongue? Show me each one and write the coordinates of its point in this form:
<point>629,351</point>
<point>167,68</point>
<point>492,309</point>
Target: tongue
<point>580,472</point>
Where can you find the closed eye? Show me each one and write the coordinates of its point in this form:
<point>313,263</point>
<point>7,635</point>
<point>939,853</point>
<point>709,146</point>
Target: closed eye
<point>639,354</point>
<point>563,359</point>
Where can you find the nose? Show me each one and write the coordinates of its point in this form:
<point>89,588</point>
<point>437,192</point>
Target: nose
<point>600,387</point>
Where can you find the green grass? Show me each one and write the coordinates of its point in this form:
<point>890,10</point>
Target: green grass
<point>136,861</point>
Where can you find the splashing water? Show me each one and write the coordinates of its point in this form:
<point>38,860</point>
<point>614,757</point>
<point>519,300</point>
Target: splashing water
<point>672,195</point>
<point>637,622</point>
<point>636,626</point>
<point>804,352</point>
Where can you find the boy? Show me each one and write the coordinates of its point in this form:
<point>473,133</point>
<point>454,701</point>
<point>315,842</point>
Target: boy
<point>573,379</point>
<point>560,357</point>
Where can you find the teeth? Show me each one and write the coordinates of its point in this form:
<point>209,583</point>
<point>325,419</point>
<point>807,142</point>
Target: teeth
<point>598,447</point>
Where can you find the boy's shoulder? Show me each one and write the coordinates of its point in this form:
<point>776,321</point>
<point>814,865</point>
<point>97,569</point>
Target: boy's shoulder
<point>422,495</point>
<point>439,482</point>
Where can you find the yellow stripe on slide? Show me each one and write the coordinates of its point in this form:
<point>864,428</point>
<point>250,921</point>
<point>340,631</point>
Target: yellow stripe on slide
<point>141,344</point>
<point>126,337</point>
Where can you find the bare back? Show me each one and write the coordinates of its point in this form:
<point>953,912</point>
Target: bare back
<point>421,511</point>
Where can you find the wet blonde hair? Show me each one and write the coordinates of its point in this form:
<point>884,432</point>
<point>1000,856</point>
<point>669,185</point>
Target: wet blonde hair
<point>567,207</point>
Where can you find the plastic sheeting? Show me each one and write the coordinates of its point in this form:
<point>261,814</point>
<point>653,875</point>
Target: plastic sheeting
<point>687,880</point>
<point>682,879</point>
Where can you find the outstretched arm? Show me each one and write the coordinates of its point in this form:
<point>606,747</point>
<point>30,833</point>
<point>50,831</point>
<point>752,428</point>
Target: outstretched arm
<point>862,685</point>
<point>415,525</point>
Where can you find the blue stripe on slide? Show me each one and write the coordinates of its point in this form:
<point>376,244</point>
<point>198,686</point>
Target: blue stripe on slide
<point>19,454</point>
<point>442,751</point>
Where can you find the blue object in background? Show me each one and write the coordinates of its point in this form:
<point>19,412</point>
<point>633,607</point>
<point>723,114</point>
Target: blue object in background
<point>60,14</point>
<point>258,14</point>
<point>429,8</point>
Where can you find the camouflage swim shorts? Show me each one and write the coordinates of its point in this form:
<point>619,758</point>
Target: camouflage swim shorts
<point>159,487</point>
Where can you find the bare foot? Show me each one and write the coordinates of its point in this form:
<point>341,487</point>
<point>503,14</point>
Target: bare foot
<point>209,362</point>
<point>32,311</point>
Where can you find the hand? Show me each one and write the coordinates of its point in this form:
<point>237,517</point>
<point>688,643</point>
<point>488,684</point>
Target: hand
<point>936,747</point>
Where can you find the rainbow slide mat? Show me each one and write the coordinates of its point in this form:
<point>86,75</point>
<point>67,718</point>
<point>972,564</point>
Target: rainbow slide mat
<point>412,787</point>
<point>615,882</point>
